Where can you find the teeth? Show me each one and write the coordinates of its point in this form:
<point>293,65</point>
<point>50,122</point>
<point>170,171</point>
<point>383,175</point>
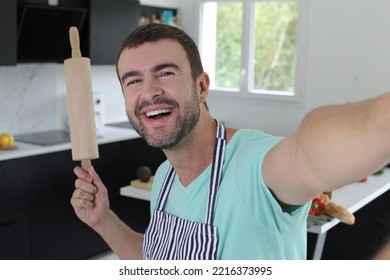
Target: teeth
<point>157,112</point>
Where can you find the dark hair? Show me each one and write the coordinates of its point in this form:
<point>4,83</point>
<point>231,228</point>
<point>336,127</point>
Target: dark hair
<point>156,31</point>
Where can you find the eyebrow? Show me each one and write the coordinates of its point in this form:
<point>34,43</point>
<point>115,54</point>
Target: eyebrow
<point>166,65</point>
<point>128,75</point>
<point>155,69</point>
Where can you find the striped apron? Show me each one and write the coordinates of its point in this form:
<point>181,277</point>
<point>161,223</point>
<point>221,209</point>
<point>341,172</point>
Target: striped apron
<point>172,238</point>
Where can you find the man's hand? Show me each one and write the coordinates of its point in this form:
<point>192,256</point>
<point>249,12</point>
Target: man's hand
<point>90,198</point>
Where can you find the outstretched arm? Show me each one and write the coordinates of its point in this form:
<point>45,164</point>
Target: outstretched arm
<point>334,146</point>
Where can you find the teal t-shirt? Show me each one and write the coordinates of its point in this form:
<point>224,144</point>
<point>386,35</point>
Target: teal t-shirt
<point>250,222</point>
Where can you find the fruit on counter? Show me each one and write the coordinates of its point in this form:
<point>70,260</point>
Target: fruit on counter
<point>144,173</point>
<point>6,139</point>
<point>323,205</point>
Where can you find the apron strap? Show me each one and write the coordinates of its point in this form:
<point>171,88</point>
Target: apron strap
<point>216,170</point>
<point>215,177</point>
<point>168,181</point>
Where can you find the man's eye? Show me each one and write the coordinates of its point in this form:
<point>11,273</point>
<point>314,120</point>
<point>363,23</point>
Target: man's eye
<point>165,74</point>
<point>131,82</point>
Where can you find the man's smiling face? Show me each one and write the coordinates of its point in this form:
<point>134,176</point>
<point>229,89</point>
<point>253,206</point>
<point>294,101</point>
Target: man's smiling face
<point>160,95</point>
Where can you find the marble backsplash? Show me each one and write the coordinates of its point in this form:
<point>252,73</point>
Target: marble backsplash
<point>33,96</point>
<point>28,98</point>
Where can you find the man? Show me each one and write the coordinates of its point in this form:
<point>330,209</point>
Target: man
<point>225,193</point>
<point>383,253</point>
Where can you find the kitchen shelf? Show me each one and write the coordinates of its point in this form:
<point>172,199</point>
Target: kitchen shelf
<point>138,193</point>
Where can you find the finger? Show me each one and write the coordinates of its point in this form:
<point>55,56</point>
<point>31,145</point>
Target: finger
<point>82,174</point>
<point>85,186</point>
<point>78,193</point>
<point>96,179</point>
<point>79,203</point>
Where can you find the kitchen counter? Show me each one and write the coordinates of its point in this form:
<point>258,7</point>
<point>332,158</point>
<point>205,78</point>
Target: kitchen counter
<point>106,134</point>
<point>352,197</point>
<point>37,183</point>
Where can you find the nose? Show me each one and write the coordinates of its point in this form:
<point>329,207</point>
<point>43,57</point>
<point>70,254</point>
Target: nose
<point>152,89</point>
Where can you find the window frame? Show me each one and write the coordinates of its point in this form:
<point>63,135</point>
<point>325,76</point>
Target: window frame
<point>244,92</point>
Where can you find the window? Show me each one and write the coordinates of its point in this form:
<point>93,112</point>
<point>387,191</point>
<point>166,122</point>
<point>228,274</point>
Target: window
<point>222,37</point>
<point>250,47</point>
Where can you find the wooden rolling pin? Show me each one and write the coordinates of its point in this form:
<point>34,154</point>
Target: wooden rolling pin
<point>80,104</point>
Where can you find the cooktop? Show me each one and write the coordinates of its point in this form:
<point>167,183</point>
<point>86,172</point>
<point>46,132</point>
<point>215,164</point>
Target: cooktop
<point>45,138</point>
<point>125,124</point>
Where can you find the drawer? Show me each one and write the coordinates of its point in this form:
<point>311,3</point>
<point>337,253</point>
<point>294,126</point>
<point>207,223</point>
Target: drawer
<point>14,176</point>
<point>15,240</point>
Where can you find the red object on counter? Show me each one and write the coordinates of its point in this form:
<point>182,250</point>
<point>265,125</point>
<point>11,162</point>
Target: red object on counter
<point>317,206</point>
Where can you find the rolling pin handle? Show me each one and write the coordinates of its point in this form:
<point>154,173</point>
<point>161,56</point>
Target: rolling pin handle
<point>85,164</point>
<point>74,41</point>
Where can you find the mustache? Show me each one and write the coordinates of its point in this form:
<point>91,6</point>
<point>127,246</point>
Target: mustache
<point>156,101</point>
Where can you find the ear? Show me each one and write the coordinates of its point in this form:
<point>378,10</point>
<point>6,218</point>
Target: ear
<point>203,87</point>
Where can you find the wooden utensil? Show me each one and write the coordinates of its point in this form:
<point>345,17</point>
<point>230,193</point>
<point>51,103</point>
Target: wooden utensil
<point>80,104</point>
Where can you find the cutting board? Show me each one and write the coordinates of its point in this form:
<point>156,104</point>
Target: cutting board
<point>142,185</point>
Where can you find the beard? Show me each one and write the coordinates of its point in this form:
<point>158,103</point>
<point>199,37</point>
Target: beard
<point>185,124</point>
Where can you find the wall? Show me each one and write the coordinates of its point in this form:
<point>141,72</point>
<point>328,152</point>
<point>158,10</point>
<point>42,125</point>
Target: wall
<point>28,98</point>
<point>349,60</point>
<point>33,96</point>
